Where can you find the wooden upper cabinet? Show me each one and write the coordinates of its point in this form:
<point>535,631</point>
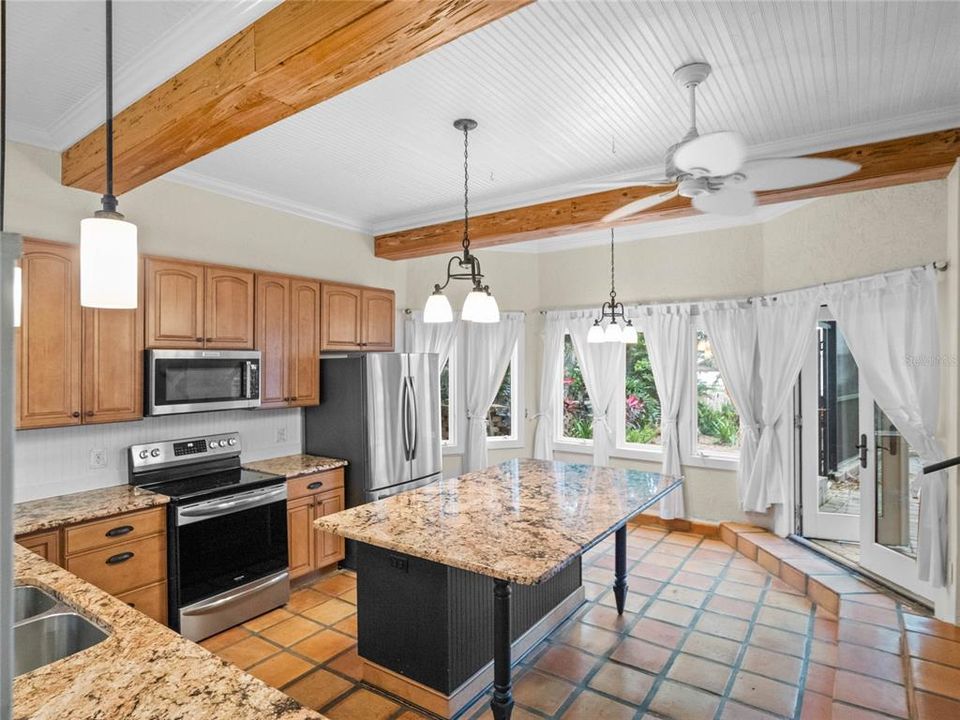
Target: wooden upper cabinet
<point>378,319</point>
<point>356,318</point>
<point>340,317</point>
<point>304,348</point>
<point>273,338</point>
<point>174,300</point>
<point>112,384</point>
<point>49,357</point>
<point>228,320</point>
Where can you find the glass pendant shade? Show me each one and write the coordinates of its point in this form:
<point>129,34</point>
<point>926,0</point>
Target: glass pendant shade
<point>595,335</point>
<point>108,263</point>
<point>437,309</point>
<point>17,295</point>
<point>613,333</point>
<point>491,311</point>
<point>480,307</point>
<point>630,334</point>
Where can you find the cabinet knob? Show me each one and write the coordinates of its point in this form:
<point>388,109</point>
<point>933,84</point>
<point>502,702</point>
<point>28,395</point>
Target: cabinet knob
<point>209,339</point>
<point>89,413</point>
<point>75,413</point>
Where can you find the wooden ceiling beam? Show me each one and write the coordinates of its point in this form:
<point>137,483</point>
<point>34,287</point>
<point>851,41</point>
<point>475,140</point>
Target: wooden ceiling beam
<point>891,162</point>
<point>297,55</point>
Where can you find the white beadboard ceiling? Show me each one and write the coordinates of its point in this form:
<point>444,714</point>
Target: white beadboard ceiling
<point>564,91</point>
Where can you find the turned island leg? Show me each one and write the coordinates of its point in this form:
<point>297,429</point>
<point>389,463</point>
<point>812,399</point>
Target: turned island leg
<point>502,703</point>
<point>620,568</point>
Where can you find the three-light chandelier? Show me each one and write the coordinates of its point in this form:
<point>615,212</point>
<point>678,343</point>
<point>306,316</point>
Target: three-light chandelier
<point>480,305</point>
<point>612,310</point>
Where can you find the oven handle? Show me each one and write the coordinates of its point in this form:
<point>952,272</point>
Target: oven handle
<point>248,380</point>
<point>203,609</point>
<point>190,514</point>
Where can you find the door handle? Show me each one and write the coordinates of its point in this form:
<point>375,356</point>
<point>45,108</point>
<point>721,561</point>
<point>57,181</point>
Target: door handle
<point>862,447</point>
<point>404,402</point>
<point>415,435</point>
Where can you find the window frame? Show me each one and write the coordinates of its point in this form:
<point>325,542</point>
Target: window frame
<point>560,441</point>
<point>454,446</point>
<point>691,452</point>
<point>517,415</point>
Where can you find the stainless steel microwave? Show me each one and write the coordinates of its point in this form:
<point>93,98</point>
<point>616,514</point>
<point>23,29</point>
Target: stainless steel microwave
<point>187,381</point>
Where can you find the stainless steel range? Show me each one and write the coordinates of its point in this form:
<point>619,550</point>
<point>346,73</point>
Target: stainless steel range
<point>226,531</point>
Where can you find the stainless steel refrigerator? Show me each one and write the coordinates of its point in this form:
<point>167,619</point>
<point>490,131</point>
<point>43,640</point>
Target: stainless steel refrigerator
<point>380,412</point>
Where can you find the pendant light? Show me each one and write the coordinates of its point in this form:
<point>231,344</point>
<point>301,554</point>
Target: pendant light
<point>613,310</point>
<point>480,305</point>
<point>108,243</point>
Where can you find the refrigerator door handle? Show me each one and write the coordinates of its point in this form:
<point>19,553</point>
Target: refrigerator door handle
<point>415,439</point>
<point>405,415</point>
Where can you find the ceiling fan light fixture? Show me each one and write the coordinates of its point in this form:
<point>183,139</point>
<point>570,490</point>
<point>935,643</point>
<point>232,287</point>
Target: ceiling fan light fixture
<point>437,309</point>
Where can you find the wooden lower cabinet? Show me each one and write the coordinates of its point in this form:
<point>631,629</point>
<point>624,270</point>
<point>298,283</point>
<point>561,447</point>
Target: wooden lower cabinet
<point>44,544</point>
<point>310,497</point>
<point>150,600</point>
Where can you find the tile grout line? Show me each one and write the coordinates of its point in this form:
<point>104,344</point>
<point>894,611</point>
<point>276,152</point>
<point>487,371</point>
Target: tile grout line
<point>805,662</point>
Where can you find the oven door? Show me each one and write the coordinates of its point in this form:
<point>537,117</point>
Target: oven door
<point>228,543</point>
<point>185,381</point>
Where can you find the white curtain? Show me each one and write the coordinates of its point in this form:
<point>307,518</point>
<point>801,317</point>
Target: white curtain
<point>784,324</point>
<point>666,331</point>
<point>421,337</point>
<point>603,366</point>
<point>551,368</point>
<point>732,330</point>
<point>489,347</point>
<point>891,325</point>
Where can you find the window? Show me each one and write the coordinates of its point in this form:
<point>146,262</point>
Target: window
<point>577,418</point>
<point>641,402</point>
<point>718,424</point>
<point>503,418</point>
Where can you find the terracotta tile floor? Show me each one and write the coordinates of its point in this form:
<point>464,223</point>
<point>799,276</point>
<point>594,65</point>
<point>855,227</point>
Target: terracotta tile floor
<point>708,634</point>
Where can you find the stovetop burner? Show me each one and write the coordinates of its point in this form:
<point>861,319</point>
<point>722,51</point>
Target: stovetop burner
<point>215,484</point>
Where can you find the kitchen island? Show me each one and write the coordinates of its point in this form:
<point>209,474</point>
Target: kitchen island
<point>447,558</point>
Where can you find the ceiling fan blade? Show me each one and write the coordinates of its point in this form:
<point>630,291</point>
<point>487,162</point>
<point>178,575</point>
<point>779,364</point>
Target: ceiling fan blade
<point>711,155</point>
<point>728,201</point>
<point>614,184</point>
<point>639,205</point>
<point>773,173</point>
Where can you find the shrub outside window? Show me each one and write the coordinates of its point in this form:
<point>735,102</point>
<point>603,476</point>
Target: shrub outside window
<point>641,400</point>
<point>718,424</point>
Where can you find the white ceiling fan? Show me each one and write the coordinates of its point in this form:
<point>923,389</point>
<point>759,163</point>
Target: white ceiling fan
<point>713,171</point>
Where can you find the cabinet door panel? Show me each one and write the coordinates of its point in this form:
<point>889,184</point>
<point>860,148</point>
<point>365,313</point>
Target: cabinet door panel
<point>44,544</point>
<point>330,547</point>
<point>304,342</point>
<point>173,303</point>
<point>300,536</point>
<point>112,365</point>
<point>340,318</point>
<point>272,338</point>
<point>48,387</point>
<point>378,320</point>
<point>229,308</point>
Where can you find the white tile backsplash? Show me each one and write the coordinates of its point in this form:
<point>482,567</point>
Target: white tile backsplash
<point>57,461</point>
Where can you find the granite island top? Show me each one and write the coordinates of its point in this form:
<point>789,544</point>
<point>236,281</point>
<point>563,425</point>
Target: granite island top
<point>521,521</point>
<point>142,670</point>
<point>292,466</point>
<point>54,512</point>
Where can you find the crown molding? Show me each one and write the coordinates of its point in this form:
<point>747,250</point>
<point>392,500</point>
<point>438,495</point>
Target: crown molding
<point>188,40</point>
<point>255,197</point>
<point>22,132</point>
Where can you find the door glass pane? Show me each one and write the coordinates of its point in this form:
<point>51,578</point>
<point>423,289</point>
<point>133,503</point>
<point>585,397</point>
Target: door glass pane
<point>838,397</point>
<point>897,510</point>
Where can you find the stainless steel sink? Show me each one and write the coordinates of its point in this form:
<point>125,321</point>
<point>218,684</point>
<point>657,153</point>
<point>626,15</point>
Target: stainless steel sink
<point>30,601</point>
<point>46,630</point>
<point>51,637</point>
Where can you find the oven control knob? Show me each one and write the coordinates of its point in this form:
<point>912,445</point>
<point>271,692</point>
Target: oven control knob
<point>232,441</point>
<point>143,454</point>
<point>214,443</point>
<point>155,452</point>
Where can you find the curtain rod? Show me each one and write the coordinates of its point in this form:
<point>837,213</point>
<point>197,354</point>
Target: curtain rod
<point>410,311</point>
<point>939,265</point>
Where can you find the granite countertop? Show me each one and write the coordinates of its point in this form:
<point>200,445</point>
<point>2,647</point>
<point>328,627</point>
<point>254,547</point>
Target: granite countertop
<point>521,521</point>
<point>293,466</point>
<point>54,512</point>
<point>142,670</point>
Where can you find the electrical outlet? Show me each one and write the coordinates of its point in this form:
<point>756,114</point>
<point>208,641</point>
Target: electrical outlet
<point>281,435</point>
<point>98,459</point>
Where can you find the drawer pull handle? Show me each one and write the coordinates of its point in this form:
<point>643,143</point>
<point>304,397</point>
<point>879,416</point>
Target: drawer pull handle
<point>119,558</point>
<point>118,531</point>
<point>315,485</point>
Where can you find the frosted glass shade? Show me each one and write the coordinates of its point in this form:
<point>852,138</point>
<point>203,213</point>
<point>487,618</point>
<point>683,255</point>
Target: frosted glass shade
<point>17,295</point>
<point>108,263</point>
<point>480,307</point>
<point>437,309</point>
<point>491,311</point>
<point>629,335</point>
<point>595,335</point>
<point>613,333</point>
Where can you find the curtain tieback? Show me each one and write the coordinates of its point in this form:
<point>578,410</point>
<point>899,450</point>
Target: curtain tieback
<point>601,420</point>
<point>475,416</point>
